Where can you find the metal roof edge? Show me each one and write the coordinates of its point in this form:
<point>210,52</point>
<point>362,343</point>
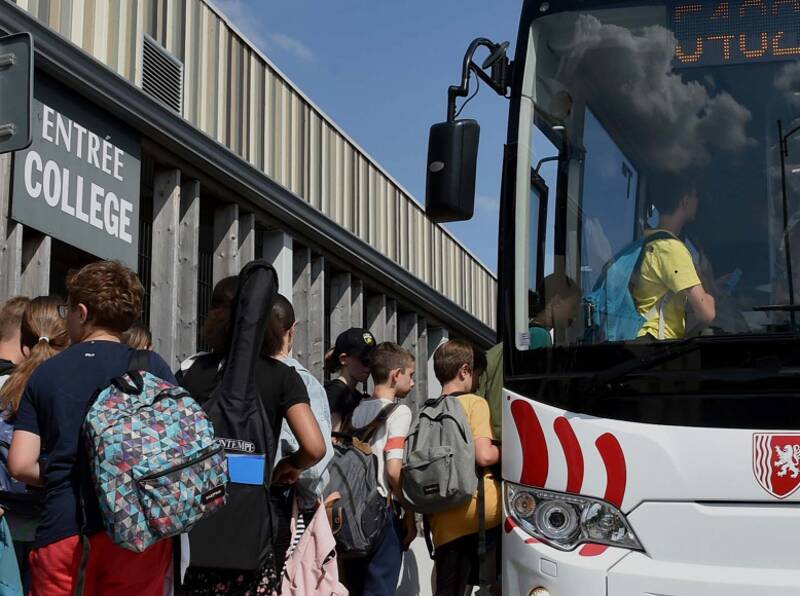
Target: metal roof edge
<point>79,70</point>
<point>216,10</point>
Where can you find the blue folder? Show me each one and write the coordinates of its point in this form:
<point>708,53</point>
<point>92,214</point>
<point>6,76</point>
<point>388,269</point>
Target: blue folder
<point>246,469</point>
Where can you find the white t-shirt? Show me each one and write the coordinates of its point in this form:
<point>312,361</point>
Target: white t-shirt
<point>389,440</point>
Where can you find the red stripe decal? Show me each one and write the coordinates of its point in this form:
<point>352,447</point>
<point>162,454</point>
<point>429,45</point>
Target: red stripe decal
<point>531,541</point>
<point>572,453</point>
<point>616,472</point>
<point>592,550</point>
<point>509,525</point>
<point>533,443</point>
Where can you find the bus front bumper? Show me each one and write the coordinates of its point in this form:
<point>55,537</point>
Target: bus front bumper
<point>598,571</point>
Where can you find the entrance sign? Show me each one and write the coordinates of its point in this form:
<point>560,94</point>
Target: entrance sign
<point>79,179</point>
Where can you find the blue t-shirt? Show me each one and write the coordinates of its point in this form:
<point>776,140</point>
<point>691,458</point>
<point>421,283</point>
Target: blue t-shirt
<point>54,406</point>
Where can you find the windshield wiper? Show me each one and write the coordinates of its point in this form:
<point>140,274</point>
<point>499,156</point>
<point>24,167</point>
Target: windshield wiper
<point>778,308</point>
<point>667,353</point>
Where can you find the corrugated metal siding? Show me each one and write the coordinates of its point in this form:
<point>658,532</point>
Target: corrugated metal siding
<point>233,94</point>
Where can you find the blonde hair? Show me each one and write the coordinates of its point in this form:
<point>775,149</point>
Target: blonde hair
<point>44,333</point>
<point>138,337</point>
<point>11,316</point>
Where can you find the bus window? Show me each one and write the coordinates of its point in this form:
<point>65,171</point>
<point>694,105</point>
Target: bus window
<point>609,200</point>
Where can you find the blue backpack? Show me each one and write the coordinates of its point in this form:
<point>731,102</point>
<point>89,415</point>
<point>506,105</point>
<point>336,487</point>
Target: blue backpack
<point>613,314</point>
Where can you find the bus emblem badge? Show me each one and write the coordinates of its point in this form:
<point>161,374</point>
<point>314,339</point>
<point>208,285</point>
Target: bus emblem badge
<point>776,463</point>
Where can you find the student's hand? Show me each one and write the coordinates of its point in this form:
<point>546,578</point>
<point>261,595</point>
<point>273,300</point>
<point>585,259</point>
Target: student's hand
<point>409,529</point>
<point>285,472</point>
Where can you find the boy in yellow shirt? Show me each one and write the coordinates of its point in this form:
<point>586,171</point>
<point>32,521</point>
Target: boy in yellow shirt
<point>667,279</point>
<point>458,366</point>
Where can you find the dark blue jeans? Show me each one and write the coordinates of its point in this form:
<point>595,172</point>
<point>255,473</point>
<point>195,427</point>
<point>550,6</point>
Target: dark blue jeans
<point>378,575</point>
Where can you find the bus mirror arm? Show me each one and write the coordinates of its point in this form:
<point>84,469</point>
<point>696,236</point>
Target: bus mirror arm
<point>499,79</point>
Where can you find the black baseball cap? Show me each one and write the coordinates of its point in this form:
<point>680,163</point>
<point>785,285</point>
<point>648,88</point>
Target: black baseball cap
<point>355,342</point>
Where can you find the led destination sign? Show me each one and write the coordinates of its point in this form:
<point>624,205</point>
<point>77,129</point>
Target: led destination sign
<point>735,32</point>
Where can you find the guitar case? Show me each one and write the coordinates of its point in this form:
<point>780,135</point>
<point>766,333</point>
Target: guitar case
<point>239,536</point>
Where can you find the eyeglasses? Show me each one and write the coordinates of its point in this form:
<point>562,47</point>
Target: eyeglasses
<point>63,310</point>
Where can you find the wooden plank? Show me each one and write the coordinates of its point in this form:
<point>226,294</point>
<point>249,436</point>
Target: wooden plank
<point>189,261</point>
<point>277,249</point>
<point>36,250</point>
<point>10,236</point>
<point>309,305</point>
<point>408,337</point>
<point>301,288</point>
<point>247,238</point>
<point>226,241</point>
<point>436,337</point>
<point>341,304</point>
<point>375,321</point>
<point>390,334</point>
<point>357,301</point>
<point>164,270</point>
<point>376,316</point>
<point>315,315</point>
<point>421,377</point>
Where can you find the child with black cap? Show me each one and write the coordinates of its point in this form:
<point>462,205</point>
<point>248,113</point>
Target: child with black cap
<point>348,364</point>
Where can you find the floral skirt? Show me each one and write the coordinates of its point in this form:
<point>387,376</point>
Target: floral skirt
<point>201,581</point>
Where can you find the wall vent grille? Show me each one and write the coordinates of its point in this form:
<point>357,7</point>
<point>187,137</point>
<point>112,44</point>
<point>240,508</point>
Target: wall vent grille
<point>162,74</point>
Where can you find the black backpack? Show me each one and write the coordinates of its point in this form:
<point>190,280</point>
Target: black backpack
<point>240,535</point>
<point>359,517</point>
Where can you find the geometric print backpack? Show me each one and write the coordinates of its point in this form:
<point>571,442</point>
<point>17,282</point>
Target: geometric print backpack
<point>155,464</point>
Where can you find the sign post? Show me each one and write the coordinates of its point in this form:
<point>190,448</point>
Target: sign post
<point>16,91</point>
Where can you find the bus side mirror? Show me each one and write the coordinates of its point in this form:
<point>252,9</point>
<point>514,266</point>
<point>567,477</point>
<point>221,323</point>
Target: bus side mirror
<point>452,165</point>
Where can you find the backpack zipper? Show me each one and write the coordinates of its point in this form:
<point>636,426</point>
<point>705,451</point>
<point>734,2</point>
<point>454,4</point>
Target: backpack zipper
<point>191,462</point>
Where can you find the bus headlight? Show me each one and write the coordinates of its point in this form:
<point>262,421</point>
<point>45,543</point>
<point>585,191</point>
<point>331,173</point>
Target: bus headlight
<point>564,520</point>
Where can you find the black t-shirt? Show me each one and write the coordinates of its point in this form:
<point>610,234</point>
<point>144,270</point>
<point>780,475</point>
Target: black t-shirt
<point>341,399</point>
<point>6,366</point>
<point>279,386</point>
<point>54,407</point>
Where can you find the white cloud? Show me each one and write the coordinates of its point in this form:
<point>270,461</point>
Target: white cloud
<point>673,124</point>
<point>246,20</point>
<point>488,204</point>
<point>292,46</point>
<point>788,81</point>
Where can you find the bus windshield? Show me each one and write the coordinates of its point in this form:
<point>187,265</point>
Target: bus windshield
<point>674,204</point>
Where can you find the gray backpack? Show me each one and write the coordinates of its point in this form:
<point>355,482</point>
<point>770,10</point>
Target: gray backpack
<point>439,463</point>
<point>358,518</point>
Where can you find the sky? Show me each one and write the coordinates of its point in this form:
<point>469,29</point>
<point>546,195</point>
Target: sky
<point>381,70</point>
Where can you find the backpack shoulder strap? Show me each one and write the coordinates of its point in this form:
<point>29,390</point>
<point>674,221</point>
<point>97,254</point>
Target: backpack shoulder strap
<point>435,401</point>
<point>367,432</point>
<point>140,360</point>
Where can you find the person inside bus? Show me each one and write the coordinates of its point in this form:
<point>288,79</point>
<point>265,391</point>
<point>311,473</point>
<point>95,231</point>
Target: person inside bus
<point>667,278</point>
<point>554,306</point>
<point>348,364</point>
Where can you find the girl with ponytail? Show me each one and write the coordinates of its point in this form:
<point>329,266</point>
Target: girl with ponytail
<point>43,334</point>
